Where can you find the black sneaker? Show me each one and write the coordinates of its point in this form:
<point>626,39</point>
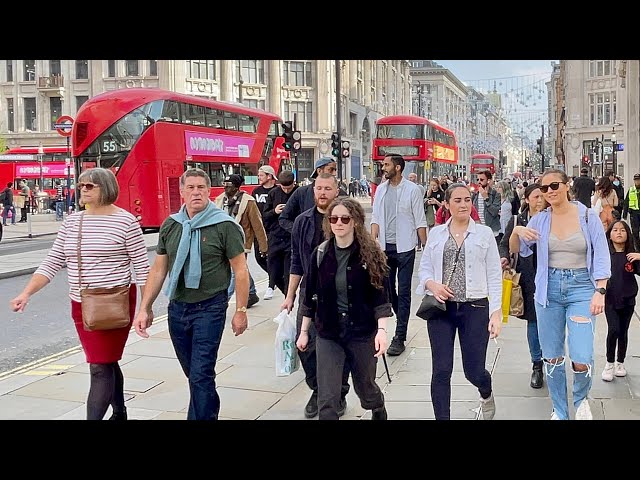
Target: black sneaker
<point>379,413</point>
<point>396,347</point>
<point>253,299</point>
<point>342,406</point>
<point>311,409</point>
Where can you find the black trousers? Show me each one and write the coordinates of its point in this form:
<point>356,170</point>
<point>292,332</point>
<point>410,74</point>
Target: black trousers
<point>471,321</point>
<point>634,220</point>
<point>308,358</point>
<point>618,321</point>
<point>332,356</point>
<point>279,263</point>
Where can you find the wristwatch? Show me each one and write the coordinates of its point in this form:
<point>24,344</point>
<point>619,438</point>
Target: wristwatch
<point>241,309</point>
<point>601,290</point>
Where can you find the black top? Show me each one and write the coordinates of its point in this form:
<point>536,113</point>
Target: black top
<point>342,257</point>
<point>622,287</point>
<point>583,188</point>
<point>318,233</point>
<point>260,194</point>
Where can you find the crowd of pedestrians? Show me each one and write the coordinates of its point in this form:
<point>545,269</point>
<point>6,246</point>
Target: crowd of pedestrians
<point>568,238</point>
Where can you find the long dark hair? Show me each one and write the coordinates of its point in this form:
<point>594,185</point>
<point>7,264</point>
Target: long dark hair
<point>628,245</point>
<point>370,252</point>
<point>605,186</point>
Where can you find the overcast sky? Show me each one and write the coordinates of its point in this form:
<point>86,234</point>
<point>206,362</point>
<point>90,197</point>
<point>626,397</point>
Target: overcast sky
<point>473,70</point>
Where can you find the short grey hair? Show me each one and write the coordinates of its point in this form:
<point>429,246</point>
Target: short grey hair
<point>195,172</point>
<point>107,181</point>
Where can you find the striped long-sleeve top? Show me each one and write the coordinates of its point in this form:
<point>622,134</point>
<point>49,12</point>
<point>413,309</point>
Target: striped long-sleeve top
<point>111,245</point>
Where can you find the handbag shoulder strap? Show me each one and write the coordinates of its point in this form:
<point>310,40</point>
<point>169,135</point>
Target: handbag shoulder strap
<point>78,250</point>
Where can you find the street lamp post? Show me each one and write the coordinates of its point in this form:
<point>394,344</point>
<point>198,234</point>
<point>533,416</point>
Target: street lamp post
<point>613,153</point>
<point>40,159</point>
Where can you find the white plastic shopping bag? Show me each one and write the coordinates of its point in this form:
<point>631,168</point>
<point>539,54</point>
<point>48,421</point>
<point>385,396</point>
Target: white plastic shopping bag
<point>287,360</point>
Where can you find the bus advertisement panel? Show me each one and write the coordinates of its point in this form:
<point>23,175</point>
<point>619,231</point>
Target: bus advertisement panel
<point>149,136</point>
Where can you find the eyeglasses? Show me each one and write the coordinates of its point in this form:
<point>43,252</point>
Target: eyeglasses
<point>345,219</point>
<point>88,186</point>
<point>552,186</point>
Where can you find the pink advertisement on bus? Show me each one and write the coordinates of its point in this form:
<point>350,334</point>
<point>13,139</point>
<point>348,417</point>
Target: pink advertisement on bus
<point>31,170</point>
<point>216,145</point>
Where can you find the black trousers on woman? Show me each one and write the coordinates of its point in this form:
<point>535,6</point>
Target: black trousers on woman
<point>618,320</point>
<point>471,321</point>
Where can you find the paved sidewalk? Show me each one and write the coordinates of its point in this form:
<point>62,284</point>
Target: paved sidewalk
<point>155,386</point>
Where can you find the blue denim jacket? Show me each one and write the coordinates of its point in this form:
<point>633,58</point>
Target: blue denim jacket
<point>598,257</point>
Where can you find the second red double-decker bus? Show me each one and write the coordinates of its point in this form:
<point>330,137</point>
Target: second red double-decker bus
<point>428,148</point>
<point>481,162</point>
<point>149,136</point>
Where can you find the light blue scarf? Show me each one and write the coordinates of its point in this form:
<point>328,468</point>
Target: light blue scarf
<point>190,245</point>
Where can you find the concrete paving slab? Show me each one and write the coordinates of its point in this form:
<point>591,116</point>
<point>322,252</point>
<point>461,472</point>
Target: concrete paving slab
<point>21,407</point>
<point>633,382</point>
<point>621,409</point>
<point>258,355</point>
<point>424,410</point>
<point>139,385</point>
<point>516,385</point>
<point>258,379</point>
<point>15,382</point>
<point>245,404</point>
<point>69,386</point>
<point>83,366</point>
<point>521,408</point>
<point>618,389</point>
<point>171,416</point>
<point>154,368</point>
<point>153,347</point>
<point>165,397</point>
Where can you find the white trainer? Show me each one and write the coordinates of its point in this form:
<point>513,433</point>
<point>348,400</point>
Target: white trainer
<point>607,373</point>
<point>268,294</point>
<point>584,411</point>
<point>620,371</point>
<point>554,416</point>
<point>488,407</point>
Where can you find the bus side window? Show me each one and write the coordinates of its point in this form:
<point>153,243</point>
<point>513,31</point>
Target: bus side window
<point>213,118</point>
<point>230,121</point>
<point>170,112</point>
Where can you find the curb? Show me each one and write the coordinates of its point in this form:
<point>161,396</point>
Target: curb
<point>29,270</point>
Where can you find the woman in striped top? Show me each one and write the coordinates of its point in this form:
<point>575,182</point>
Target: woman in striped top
<point>112,243</point>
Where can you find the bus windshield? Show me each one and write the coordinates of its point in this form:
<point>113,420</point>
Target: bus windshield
<point>411,132</point>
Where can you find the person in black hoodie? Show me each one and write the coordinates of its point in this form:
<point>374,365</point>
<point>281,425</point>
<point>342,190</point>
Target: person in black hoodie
<point>620,298</point>
<point>278,239</point>
<point>533,203</point>
<point>347,297</point>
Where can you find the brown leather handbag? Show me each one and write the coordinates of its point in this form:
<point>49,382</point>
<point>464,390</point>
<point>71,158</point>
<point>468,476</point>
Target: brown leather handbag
<point>102,308</point>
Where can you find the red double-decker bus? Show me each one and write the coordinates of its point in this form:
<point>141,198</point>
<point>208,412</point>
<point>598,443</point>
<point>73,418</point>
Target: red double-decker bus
<point>148,137</point>
<point>428,148</point>
<point>481,162</point>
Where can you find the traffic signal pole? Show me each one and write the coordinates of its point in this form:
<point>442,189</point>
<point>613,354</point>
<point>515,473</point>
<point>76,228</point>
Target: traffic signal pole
<point>544,166</point>
<point>295,151</point>
<point>338,116</point>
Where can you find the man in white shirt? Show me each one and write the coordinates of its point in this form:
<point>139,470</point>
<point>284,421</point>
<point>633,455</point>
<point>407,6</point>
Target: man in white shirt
<point>398,221</point>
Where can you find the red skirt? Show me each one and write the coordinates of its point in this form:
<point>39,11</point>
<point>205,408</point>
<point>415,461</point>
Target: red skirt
<point>103,346</point>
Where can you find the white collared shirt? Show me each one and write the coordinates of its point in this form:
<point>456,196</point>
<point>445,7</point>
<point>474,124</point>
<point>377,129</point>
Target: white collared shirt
<point>409,214</point>
<point>482,263</point>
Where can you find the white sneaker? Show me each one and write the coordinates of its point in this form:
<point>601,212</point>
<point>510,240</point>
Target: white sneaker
<point>488,407</point>
<point>554,416</point>
<point>620,371</point>
<point>268,295</point>
<point>584,411</point>
<point>607,373</point>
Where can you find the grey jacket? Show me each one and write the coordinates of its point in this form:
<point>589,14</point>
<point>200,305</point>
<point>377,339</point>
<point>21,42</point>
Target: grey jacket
<point>491,209</point>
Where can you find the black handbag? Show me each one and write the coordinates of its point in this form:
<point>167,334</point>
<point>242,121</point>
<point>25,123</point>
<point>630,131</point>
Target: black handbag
<point>430,306</point>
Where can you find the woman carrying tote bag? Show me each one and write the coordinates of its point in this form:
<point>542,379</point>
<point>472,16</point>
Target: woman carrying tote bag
<point>111,244</point>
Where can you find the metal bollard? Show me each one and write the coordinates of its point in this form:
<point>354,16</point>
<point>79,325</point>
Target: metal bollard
<point>29,224</point>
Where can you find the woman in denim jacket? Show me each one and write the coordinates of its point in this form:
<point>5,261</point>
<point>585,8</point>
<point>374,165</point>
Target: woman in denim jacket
<point>573,268</point>
<point>460,266</point>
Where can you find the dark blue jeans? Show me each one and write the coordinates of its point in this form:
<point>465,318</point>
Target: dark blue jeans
<point>196,331</point>
<point>470,320</point>
<point>402,265</point>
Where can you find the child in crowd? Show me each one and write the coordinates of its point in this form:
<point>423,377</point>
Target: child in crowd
<point>620,298</point>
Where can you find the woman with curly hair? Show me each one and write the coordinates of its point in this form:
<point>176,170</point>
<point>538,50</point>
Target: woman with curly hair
<point>347,296</point>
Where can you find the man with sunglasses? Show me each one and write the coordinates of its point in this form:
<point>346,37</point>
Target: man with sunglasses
<point>399,223</point>
<point>303,199</point>
<point>306,235</point>
<point>487,202</point>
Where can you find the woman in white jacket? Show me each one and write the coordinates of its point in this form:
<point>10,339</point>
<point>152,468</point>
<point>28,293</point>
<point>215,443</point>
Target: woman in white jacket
<point>461,267</point>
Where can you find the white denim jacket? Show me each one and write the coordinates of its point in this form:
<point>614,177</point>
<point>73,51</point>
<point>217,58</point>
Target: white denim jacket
<point>482,262</point>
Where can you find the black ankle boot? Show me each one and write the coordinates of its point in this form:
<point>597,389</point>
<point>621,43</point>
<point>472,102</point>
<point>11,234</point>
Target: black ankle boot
<point>537,375</point>
<point>119,416</point>
<point>379,413</point>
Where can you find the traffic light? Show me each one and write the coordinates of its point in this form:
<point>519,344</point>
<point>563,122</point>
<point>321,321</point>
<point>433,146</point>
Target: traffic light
<point>297,140</point>
<point>287,134</point>
<point>335,144</point>
<point>346,148</point>
<point>539,147</point>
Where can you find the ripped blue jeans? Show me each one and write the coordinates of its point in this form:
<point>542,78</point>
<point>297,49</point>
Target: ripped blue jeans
<point>567,315</point>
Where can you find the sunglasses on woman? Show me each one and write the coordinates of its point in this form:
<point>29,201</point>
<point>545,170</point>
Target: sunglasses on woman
<point>344,219</point>
<point>552,186</point>
<point>88,186</point>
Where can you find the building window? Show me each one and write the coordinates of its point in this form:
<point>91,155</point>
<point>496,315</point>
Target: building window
<point>9,70</point>
<point>132,68</point>
<point>601,68</point>
<point>353,124</point>
<point>80,99</point>
<point>82,69</point>
<point>296,74</point>
<point>29,73</point>
<point>55,107</point>
<point>30,114</point>
<point>10,115</point>
<point>153,68</point>
<point>111,68</point>
<point>304,120</point>
<point>384,79</point>
<point>54,68</point>
<point>202,69</point>
<point>253,103</point>
<point>251,71</point>
<point>602,108</point>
